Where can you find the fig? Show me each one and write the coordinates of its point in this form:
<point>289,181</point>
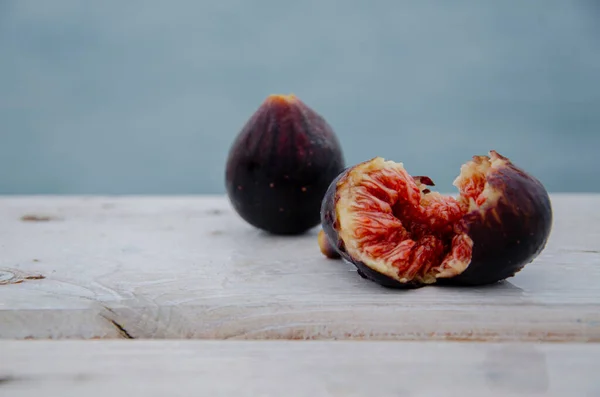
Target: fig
<point>401,234</point>
<point>281,164</point>
<point>325,246</point>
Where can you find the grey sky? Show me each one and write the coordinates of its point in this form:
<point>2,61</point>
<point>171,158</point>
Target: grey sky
<point>146,96</point>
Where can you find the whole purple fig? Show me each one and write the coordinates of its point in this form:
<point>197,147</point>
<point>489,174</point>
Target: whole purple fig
<point>280,166</point>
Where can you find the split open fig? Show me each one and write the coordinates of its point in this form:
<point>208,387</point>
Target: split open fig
<point>401,234</point>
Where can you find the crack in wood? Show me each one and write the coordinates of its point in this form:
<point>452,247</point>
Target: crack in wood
<point>13,276</point>
<point>4,379</point>
<point>77,377</point>
<point>37,277</point>
<point>121,329</point>
<point>38,218</point>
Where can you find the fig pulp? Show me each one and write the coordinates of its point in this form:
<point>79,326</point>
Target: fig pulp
<point>280,165</point>
<point>399,233</point>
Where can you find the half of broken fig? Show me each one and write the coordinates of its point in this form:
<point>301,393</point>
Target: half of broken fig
<point>400,234</point>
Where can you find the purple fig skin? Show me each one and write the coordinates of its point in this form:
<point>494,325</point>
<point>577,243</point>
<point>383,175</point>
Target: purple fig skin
<point>280,165</point>
<point>509,234</point>
<point>512,233</point>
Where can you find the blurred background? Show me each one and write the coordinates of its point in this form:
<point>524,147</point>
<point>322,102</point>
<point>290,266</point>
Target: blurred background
<point>145,97</point>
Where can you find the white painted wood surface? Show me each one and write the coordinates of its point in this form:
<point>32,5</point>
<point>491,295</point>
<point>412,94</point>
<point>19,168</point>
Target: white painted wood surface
<point>291,368</point>
<point>188,267</point>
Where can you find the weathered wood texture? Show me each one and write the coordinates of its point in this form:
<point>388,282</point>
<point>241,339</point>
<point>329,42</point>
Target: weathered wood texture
<point>289,368</point>
<point>188,267</point>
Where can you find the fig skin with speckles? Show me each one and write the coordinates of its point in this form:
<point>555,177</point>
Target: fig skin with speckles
<point>507,219</point>
<point>280,165</point>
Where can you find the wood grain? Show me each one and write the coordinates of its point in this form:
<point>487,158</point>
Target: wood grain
<point>289,368</point>
<point>188,267</point>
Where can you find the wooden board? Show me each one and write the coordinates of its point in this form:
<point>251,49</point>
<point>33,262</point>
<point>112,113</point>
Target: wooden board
<point>289,368</point>
<point>188,267</point>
